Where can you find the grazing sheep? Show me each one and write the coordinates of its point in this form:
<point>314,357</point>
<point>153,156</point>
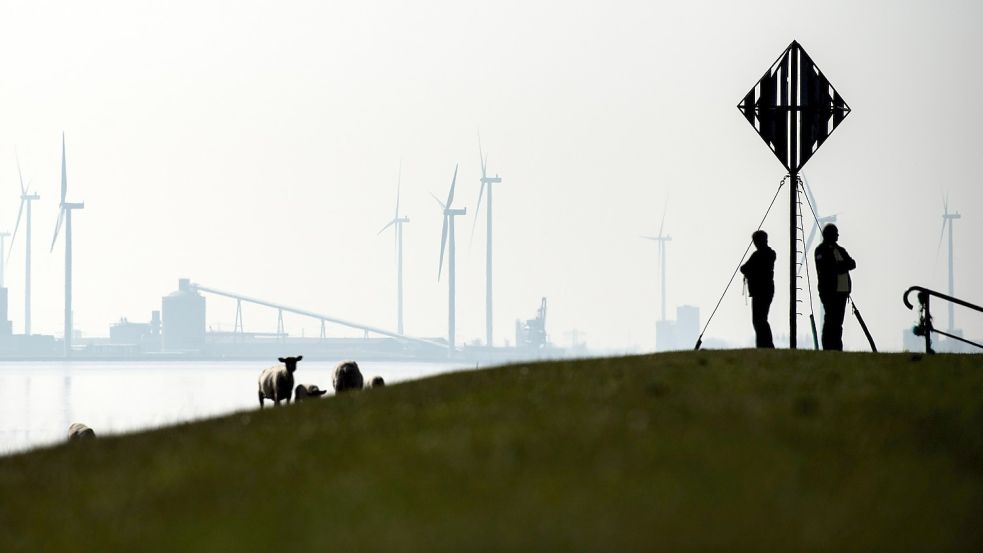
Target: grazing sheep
<point>305,391</point>
<point>377,382</point>
<point>347,377</point>
<point>277,382</point>
<point>79,431</point>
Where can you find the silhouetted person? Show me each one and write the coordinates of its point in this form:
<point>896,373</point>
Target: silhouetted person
<point>759,271</point>
<point>833,265</point>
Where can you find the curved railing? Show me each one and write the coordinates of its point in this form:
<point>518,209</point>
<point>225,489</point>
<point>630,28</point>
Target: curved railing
<point>925,328</point>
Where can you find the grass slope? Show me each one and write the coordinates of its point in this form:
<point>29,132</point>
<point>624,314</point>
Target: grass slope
<point>732,450</point>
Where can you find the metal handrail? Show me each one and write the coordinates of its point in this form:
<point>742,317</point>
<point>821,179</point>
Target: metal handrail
<point>925,327</point>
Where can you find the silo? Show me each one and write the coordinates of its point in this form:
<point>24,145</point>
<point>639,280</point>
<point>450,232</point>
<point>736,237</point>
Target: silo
<point>184,319</point>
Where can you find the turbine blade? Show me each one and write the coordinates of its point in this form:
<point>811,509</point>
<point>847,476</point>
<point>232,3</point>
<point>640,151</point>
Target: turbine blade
<point>443,243</point>
<point>481,157</point>
<point>23,190</point>
<point>648,237</point>
<point>477,212</point>
<point>440,203</point>
<point>811,197</point>
<point>64,171</point>
<point>941,236</point>
<point>450,195</point>
<point>13,236</point>
<point>663,223</point>
<point>383,229</point>
<point>61,216</point>
<point>399,182</point>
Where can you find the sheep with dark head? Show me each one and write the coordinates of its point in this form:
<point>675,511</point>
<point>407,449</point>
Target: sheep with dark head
<point>307,391</point>
<point>377,382</point>
<point>347,377</point>
<point>277,382</point>
<point>79,431</point>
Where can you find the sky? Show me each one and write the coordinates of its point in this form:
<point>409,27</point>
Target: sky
<point>255,147</point>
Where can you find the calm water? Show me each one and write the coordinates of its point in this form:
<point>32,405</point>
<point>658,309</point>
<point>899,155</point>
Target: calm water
<point>39,400</point>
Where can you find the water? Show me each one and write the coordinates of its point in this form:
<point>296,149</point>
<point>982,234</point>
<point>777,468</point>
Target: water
<point>39,400</point>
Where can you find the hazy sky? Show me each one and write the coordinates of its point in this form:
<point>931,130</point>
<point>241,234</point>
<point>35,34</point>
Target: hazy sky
<point>254,147</point>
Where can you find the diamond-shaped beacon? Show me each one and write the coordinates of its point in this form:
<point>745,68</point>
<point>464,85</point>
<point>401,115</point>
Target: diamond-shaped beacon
<point>794,108</point>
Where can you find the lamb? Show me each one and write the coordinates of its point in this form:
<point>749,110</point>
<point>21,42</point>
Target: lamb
<point>305,391</point>
<point>347,377</point>
<point>78,431</point>
<point>377,382</point>
<point>277,382</point>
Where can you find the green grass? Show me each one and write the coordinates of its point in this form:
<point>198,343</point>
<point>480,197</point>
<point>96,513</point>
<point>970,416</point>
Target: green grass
<point>738,450</point>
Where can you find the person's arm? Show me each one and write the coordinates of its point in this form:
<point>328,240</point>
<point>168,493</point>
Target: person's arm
<point>748,266</point>
<point>825,262</point>
<point>848,264</point>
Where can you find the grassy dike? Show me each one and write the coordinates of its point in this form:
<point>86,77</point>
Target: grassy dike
<point>736,450</point>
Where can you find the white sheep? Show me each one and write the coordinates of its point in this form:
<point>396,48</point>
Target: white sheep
<point>79,431</point>
<point>277,382</point>
<point>305,391</point>
<point>347,377</point>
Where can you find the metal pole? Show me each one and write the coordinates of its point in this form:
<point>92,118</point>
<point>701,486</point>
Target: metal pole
<point>793,193</point>
<point>399,278</point>
<point>450,291</point>
<point>662,263</point>
<point>952,316</point>
<point>488,273</point>
<point>68,282</point>
<point>27,275</point>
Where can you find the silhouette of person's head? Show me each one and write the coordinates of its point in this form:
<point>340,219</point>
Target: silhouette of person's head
<point>830,233</point>
<point>760,239</point>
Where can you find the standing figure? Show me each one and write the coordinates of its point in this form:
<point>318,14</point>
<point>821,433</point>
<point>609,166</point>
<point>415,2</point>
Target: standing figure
<point>759,272</point>
<point>833,265</point>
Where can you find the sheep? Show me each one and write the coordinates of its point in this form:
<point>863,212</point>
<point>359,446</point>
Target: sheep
<point>347,377</point>
<point>377,382</point>
<point>305,391</point>
<point>79,431</point>
<point>277,382</point>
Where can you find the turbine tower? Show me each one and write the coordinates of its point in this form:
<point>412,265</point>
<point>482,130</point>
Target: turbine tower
<point>25,201</point>
<point>398,223</point>
<point>947,219</point>
<point>65,213</point>
<point>447,235</point>
<point>662,239</point>
<point>486,181</point>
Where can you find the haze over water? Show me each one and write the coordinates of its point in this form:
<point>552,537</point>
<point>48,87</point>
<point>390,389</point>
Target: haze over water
<point>39,400</point>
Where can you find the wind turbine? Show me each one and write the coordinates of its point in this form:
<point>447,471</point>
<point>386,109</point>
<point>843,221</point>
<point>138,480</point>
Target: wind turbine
<point>662,239</point>
<point>947,219</point>
<point>65,213</point>
<point>823,221</point>
<point>486,181</point>
<point>25,200</point>
<point>398,223</point>
<point>449,214</point>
